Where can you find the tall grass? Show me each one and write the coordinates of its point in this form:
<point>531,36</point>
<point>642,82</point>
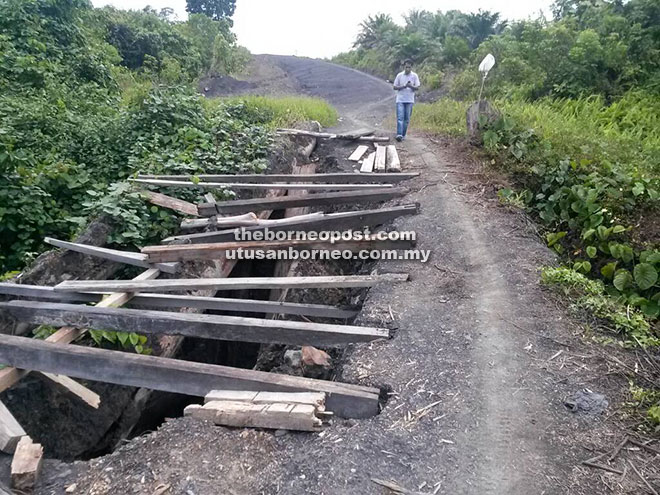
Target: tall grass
<point>289,110</point>
<point>446,116</point>
<point>624,135</point>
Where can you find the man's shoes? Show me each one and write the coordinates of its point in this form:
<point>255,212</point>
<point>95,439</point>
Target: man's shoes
<point>399,138</point>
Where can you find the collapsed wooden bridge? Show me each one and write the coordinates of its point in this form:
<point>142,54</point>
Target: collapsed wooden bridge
<point>119,305</point>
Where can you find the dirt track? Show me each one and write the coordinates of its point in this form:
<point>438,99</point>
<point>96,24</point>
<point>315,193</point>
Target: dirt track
<point>476,403</point>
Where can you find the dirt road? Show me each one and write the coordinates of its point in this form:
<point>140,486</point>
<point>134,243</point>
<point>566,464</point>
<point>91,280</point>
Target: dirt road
<point>476,385</point>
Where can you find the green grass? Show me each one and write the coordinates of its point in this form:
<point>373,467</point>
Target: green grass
<point>624,135</point>
<point>289,110</point>
<point>445,116</point>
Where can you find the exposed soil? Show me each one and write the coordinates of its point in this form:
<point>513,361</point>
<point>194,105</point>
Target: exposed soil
<point>476,379</point>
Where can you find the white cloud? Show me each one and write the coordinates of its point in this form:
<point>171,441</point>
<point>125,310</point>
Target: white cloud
<point>324,28</point>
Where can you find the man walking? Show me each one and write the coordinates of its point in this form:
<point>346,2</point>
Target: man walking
<point>405,84</point>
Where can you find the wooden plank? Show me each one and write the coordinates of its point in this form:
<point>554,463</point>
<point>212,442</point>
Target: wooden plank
<point>357,155</point>
<point>41,293</point>
<point>169,285</point>
<point>356,134</point>
<point>10,430</point>
<point>332,178</point>
<point>310,398</point>
<point>208,197</point>
<point>393,162</point>
<point>278,416</point>
<point>215,327</point>
<point>214,251</point>
<point>229,223</point>
<point>318,199</point>
<point>86,395</point>
<point>316,222</point>
<point>10,376</point>
<point>175,204</point>
<point>368,164</point>
<point>25,465</point>
<point>351,136</point>
<point>134,259</point>
<point>171,375</point>
<point>261,187</point>
<point>381,159</point>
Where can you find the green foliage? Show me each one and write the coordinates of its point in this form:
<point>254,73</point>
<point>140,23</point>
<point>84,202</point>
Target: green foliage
<point>90,96</point>
<point>283,111</point>
<point>446,116</point>
<point>215,9</point>
<point>592,296</point>
<point>648,400</point>
<point>603,48</point>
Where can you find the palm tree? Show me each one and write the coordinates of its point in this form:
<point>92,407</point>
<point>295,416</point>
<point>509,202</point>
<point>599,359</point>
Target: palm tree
<point>375,31</point>
<point>479,26</point>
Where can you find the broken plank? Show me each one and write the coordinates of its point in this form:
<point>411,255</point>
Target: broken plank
<point>25,465</point>
<point>258,187</point>
<point>214,251</point>
<point>10,430</point>
<point>310,398</point>
<point>318,199</point>
<point>393,162</point>
<point>332,178</point>
<point>278,416</point>
<point>381,158</point>
<point>10,376</point>
<point>357,155</point>
<point>168,285</point>
<point>171,375</point>
<point>215,327</point>
<point>175,301</point>
<point>315,222</point>
<point>126,257</point>
<point>175,204</point>
<point>368,164</point>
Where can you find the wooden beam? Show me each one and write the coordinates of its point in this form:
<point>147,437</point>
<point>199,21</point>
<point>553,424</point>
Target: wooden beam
<point>10,376</point>
<point>215,251</point>
<point>354,136</point>
<point>312,398</point>
<point>41,293</point>
<point>393,162</point>
<point>171,375</point>
<point>25,465</point>
<point>86,395</point>
<point>315,222</point>
<point>175,204</point>
<point>381,159</point>
<point>318,199</point>
<point>368,164</point>
<point>215,327</point>
<point>277,416</point>
<point>169,285</point>
<point>260,187</point>
<point>332,178</point>
<point>241,221</point>
<point>10,430</point>
<point>357,155</point>
<point>134,259</point>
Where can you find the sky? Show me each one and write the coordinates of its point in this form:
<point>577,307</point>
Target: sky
<point>325,28</point>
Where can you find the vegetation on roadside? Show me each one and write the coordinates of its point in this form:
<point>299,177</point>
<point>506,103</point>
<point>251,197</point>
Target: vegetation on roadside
<point>89,97</point>
<point>579,132</point>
